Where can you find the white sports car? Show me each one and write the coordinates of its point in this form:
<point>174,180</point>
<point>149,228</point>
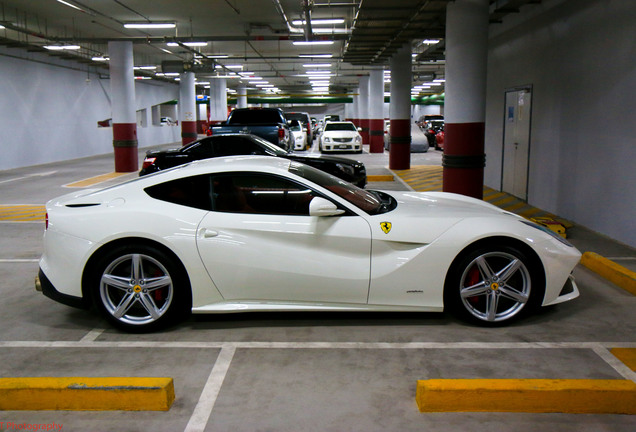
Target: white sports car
<point>253,233</point>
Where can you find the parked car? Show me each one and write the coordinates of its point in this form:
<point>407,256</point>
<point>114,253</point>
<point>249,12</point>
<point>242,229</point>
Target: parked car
<point>267,123</point>
<point>340,137</point>
<point>431,128</point>
<point>439,140</point>
<point>258,233</point>
<point>241,144</point>
<point>299,134</point>
<point>305,120</point>
<point>331,118</point>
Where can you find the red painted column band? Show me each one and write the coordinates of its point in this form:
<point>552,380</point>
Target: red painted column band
<point>364,124</point>
<point>376,136</point>
<point>400,150</point>
<point>464,159</point>
<point>188,132</point>
<point>125,145</point>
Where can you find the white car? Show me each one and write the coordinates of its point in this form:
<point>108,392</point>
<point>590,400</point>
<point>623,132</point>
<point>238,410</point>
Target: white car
<point>299,134</point>
<point>255,233</point>
<point>340,137</point>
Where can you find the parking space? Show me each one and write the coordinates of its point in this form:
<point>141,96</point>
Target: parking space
<point>299,371</point>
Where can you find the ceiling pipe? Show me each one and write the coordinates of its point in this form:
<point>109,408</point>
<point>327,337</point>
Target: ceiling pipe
<point>307,4</point>
<point>281,11</point>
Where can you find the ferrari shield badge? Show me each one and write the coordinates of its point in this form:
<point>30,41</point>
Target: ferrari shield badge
<point>386,227</point>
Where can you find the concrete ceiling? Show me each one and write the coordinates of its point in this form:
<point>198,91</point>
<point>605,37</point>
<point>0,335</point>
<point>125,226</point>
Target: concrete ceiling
<point>255,34</point>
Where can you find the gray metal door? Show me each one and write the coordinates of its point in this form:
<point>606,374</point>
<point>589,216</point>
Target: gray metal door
<point>516,145</point>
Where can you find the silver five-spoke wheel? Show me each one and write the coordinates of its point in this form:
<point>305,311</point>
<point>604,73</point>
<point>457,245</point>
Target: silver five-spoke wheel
<point>136,289</point>
<point>492,285</point>
<point>141,288</point>
<point>495,286</point>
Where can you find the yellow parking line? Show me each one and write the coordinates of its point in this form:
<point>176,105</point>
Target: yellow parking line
<point>615,273</point>
<point>380,178</point>
<point>95,180</point>
<point>22,213</point>
<point>584,396</point>
<point>82,393</point>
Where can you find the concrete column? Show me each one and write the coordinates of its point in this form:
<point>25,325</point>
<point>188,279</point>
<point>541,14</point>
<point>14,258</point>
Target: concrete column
<point>363,108</point>
<point>241,97</point>
<point>356,107</point>
<point>218,99</point>
<point>400,150</point>
<point>376,111</point>
<point>465,99</point>
<point>122,89</point>
<point>187,108</point>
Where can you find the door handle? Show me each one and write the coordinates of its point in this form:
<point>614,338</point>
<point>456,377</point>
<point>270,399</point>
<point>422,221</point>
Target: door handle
<point>208,233</point>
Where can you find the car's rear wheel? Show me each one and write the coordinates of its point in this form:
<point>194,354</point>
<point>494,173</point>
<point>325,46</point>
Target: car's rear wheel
<point>140,288</point>
<point>493,285</point>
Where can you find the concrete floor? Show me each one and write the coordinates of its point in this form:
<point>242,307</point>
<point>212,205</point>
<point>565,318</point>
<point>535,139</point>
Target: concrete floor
<point>301,372</point>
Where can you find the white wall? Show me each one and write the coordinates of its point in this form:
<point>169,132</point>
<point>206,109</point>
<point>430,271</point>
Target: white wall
<point>580,58</point>
<point>49,111</point>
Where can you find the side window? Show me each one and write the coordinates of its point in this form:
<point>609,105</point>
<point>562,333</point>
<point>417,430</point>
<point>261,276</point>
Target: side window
<point>190,192</point>
<point>202,150</point>
<point>260,194</point>
<point>235,146</point>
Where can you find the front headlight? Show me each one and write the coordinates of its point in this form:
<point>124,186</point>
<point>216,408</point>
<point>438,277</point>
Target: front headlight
<point>347,169</point>
<point>326,139</point>
<point>547,231</point>
<point>359,139</point>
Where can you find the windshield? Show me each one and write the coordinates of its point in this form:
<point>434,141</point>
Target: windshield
<point>370,202</point>
<point>271,148</point>
<point>340,127</point>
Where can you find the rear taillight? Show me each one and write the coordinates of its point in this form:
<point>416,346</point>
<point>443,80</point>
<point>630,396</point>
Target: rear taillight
<point>281,134</point>
<point>148,162</point>
<point>46,221</point>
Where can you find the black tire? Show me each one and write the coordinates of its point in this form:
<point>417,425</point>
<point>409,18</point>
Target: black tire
<point>139,288</point>
<point>493,285</point>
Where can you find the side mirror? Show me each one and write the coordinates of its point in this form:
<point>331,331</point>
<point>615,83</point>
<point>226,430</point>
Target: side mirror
<point>359,129</point>
<point>322,207</point>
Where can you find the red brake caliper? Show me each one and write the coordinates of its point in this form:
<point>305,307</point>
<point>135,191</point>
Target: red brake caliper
<point>473,278</point>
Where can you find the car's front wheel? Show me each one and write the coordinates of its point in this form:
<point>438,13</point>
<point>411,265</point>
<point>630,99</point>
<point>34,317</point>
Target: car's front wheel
<point>493,285</point>
<point>140,288</point>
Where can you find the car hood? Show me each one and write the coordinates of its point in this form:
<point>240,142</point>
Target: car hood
<point>340,134</point>
<point>421,217</point>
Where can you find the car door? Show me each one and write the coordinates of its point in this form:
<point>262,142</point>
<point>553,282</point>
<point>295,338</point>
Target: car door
<point>260,244</point>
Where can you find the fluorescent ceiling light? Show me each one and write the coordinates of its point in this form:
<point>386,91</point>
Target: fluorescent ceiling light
<point>430,41</point>
<point>218,56</point>
<point>150,25</point>
<point>100,58</point>
<point>145,67</point>
<point>70,5</point>
<point>61,47</point>
<point>331,31</point>
<point>142,78</point>
<point>439,80</point>
<point>264,85</point>
<point>318,72</point>
<point>317,65</point>
<point>316,42</point>
<point>319,21</point>
<point>257,82</point>
<point>190,44</point>
<point>228,67</point>
<point>315,55</point>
